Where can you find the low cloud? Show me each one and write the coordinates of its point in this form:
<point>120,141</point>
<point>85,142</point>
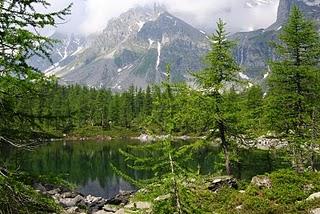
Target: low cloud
<point>90,16</point>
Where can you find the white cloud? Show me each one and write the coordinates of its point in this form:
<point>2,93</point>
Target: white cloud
<point>90,16</point>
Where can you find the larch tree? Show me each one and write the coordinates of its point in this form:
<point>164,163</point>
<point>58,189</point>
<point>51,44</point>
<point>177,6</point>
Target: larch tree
<point>19,87</point>
<point>221,69</point>
<point>18,80</point>
<point>294,83</point>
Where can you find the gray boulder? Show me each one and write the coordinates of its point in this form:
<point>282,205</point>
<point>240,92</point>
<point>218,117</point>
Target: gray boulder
<point>143,205</point>
<point>315,211</point>
<point>122,198</point>
<point>314,196</point>
<point>261,182</point>
<point>102,212</point>
<point>110,208</point>
<point>73,210</point>
<point>220,182</point>
<point>121,211</point>
<point>72,202</point>
<point>69,195</point>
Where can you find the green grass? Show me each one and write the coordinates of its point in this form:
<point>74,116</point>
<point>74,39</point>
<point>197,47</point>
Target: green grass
<point>287,196</point>
<point>19,197</point>
<point>96,132</point>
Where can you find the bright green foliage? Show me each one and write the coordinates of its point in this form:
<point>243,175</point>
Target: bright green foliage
<point>295,82</point>
<point>221,70</point>
<point>169,175</point>
<point>252,111</point>
<point>20,83</point>
<point>72,109</point>
<point>21,86</point>
<point>221,65</point>
<point>287,195</point>
<point>170,171</point>
<point>16,197</point>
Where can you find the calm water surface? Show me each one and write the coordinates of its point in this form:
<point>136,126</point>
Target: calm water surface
<point>87,164</point>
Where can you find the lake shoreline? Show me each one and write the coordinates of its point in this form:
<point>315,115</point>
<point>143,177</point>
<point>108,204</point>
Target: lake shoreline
<point>215,188</point>
<point>261,143</point>
<point>141,137</point>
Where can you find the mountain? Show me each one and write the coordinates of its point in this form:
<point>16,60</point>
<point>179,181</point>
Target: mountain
<point>254,3</point>
<point>135,47</point>
<point>67,46</point>
<point>132,50</point>
<point>253,51</point>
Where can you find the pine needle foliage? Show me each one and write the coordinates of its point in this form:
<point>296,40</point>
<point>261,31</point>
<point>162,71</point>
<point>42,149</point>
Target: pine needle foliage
<point>18,80</point>
<point>221,70</point>
<point>292,101</point>
<point>167,163</point>
<point>17,197</point>
<point>170,174</point>
<point>21,82</point>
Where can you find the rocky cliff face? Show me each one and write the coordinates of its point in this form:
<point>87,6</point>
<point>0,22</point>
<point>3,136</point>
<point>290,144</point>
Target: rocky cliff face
<point>66,46</point>
<point>132,50</point>
<point>135,47</point>
<point>254,51</point>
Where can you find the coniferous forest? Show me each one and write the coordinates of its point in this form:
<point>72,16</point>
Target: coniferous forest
<point>220,109</point>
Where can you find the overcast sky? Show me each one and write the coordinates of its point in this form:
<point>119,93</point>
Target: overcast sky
<point>90,16</point>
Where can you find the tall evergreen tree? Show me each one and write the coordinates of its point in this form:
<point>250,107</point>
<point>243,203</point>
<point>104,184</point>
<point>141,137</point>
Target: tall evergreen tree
<point>19,89</point>
<point>18,80</point>
<point>221,69</point>
<point>295,82</point>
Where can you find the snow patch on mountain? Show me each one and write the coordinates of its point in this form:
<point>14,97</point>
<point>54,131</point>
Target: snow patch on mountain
<point>159,54</point>
<point>169,17</point>
<point>312,2</point>
<point>55,71</point>
<point>140,24</point>
<point>255,3</point>
<point>79,49</point>
<point>243,76</point>
<point>150,42</point>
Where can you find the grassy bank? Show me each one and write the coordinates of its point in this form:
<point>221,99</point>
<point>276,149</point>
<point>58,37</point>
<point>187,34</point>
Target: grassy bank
<point>287,195</point>
<point>100,133</point>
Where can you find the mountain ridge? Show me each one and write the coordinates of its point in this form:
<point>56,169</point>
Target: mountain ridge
<point>135,47</point>
<point>133,50</point>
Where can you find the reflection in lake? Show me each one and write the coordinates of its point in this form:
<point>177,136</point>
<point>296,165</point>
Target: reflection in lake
<point>87,164</point>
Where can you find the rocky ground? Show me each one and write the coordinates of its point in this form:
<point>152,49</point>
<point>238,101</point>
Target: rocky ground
<point>75,203</point>
<point>124,202</point>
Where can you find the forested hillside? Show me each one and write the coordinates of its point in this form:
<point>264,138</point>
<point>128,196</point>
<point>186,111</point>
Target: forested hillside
<point>68,109</point>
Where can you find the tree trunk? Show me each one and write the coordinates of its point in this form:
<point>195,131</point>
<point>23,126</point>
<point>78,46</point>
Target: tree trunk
<point>176,191</point>
<point>314,137</point>
<point>313,162</point>
<point>225,147</point>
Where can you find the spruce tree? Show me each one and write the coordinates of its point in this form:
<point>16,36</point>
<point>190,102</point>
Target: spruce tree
<point>295,83</point>
<point>221,68</point>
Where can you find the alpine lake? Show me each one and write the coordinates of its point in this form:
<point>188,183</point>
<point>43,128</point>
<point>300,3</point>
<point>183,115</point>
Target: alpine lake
<point>87,164</point>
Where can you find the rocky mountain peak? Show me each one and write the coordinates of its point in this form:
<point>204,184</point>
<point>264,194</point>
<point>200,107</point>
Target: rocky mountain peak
<point>254,51</point>
<point>127,26</point>
<point>311,9</point>
<point>135,47</point>
<point>255,3</point>
<point>312,2</point>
